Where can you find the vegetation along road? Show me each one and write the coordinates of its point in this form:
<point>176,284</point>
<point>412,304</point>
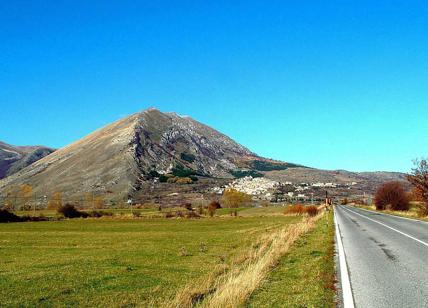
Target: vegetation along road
<point>386,258</point>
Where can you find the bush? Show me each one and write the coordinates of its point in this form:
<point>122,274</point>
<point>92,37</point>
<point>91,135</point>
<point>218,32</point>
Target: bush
<point>392,196</point>
<point>171,179</point>
<point>153,174</point>
<point>98,214</point>
<point>182,172</point>
<point>6,216</point>
<point>188,157</point>
<point>185,180</point>
<point>194,178</point>
<point>188,206</point>
<point>212,207</point>
<point>70,211</point>
<point>261,165</point>
<point>296,209</point>
<point>244,173</point>
<point>312,210</point>
<point>163,178</point>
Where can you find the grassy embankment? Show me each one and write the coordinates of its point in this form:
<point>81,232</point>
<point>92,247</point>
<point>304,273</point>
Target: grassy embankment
<point>411,213</point>
<point>305,276</point>
<point>116,262</point>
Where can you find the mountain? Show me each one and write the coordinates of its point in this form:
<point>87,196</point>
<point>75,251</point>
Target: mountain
<point>124,158</point>
<point>311,175</point>
<point>15,158</point>
<point>149,155</point>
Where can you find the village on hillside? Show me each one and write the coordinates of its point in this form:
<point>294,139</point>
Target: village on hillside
<point>269,190</point>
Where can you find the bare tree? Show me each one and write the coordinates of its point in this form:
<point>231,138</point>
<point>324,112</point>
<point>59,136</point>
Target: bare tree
<point>419,179</point>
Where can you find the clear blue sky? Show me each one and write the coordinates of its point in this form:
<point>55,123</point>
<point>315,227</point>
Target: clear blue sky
<point>329,84</point>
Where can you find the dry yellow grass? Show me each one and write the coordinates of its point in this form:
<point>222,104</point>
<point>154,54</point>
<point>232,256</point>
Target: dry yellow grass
<point>231,286</point>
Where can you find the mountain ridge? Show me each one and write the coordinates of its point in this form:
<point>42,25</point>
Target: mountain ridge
<point>14,158</point>
<point>125,158</point>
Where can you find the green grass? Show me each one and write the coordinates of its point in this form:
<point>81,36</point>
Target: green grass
<point>305,276</point>
<point>117,262</point>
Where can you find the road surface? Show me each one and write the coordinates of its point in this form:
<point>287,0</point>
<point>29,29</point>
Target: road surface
<point>386,256</point>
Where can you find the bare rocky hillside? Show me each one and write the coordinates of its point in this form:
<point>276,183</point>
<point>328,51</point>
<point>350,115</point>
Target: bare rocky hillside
<point>15,158</point>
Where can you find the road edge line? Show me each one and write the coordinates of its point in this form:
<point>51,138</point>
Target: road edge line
<point>347,296</point>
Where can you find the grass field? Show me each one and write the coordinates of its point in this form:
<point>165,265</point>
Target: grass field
<point>118,262</point>
<point>97,262</point>
<point>305,276</point>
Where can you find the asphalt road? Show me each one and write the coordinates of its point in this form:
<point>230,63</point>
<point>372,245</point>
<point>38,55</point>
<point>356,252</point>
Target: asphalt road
<point>387,258</point>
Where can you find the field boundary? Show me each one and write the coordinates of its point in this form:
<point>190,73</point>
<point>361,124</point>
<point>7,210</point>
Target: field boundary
<point>233,286</point>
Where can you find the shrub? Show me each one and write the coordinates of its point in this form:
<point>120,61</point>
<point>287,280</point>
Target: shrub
<point>172,179</point>
<point>183,252</point>
<point>244,173</point>
<point>296,209</point>
<point>185,180</point>
<point>188,157</point>
<point>6,216</point>
<point>98,214</point>
<point>212,207</point>
<point>261,165</point>
<point>194,178</point>
<point>163,178</point>
<point>312,210</point>
<point>188,206</point>
<point>34,218</point>
<point>181,171</point>
<point>153,174</point>
<point>392,196</point>
<point>70,211</point>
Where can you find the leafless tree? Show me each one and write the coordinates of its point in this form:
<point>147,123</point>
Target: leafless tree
<point>419,179</point>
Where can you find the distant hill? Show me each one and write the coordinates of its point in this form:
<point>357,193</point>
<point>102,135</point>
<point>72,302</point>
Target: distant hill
<point>15,158</point>
<point>121,157</point>
<point>132,156</point>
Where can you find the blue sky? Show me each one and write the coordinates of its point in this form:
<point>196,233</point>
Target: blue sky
<point>328,84</point>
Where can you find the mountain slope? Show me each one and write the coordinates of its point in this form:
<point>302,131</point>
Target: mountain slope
<point>15,158</point>
<point>120,158</point>
<point>128,158</point>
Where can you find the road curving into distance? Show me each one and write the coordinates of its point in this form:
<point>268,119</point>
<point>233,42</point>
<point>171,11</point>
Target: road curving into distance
<point>386,256</point>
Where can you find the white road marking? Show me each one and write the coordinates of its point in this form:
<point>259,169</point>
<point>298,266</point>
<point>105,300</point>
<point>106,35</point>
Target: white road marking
<point>348,298</point>
<point>380,223</point>
<point>395,216</point>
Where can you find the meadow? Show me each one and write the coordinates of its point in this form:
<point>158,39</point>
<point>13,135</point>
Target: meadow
<point>123,262</point>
